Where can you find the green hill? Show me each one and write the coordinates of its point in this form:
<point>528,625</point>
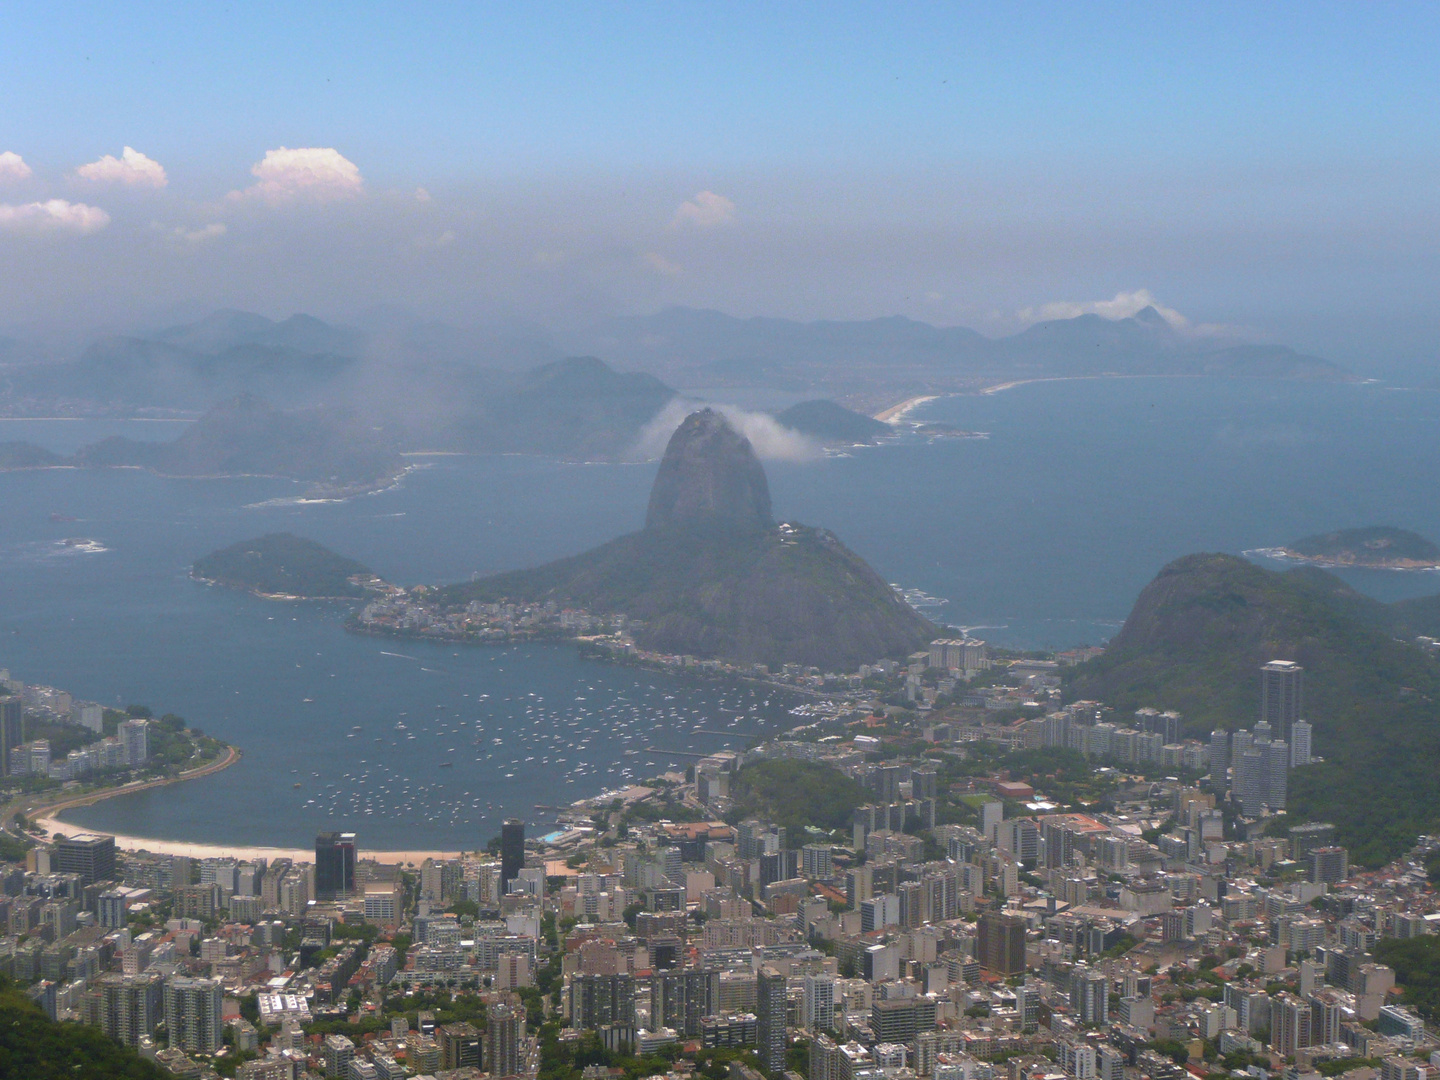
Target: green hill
<point>796,794</point>
<point>784,595</point>
<point>282,564</point>
<point>1196,638</point>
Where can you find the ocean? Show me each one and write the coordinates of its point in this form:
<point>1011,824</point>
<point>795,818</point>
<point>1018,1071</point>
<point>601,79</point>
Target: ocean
<point>1038,535</point>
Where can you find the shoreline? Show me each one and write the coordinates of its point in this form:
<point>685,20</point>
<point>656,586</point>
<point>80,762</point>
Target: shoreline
<point>1324,562</point>
<point>896,413</point>
<point>49,818</point>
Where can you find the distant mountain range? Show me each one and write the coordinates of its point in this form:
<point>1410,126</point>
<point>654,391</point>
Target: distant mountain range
<point>439,381</point>
<point>337,453</point>
<point>880,361</point>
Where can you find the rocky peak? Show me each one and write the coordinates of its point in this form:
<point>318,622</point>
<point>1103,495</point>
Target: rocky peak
<point>709,477</point>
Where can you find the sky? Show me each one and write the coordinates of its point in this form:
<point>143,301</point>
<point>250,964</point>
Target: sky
<point>1272,167</point>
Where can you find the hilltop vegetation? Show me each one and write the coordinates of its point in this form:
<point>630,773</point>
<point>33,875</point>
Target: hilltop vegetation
<point>1195,641</point>
<point>282,564</point>
<point>796,794</point>
<point>37,1048</point>
<point>1417,970</point>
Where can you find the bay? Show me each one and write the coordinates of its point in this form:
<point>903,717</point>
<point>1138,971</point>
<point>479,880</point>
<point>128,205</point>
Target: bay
<point>1038,535</point>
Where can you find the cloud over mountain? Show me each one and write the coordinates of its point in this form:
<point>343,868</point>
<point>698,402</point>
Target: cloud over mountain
<point>1123,306</point>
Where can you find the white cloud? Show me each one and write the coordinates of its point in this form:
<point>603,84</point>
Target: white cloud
<point>661,265</point>
<point>421,195</point>
<point>770,439</point>
<point>442,240</point>
<point>1122,307</point>
<point>705,211</point>
<point>131,167</point>
<point>317,173</point>
<point>13,167</point>
<point>202,235</point>
<point>55,215</point>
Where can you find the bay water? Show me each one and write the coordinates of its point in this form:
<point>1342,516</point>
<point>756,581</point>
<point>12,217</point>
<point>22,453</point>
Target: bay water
<point>1038,535</point>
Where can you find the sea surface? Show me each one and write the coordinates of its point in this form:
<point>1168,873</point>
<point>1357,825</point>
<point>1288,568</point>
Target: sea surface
<point>1038,535</point>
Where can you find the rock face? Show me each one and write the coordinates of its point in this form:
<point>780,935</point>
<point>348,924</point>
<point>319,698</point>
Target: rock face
<point>712,575</point>
<point>709,478</point>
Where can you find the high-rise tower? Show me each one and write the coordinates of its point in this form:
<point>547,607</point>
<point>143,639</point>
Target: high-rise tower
<point>512,852</point>
<point>334,865</point>
<point>1282,698</point>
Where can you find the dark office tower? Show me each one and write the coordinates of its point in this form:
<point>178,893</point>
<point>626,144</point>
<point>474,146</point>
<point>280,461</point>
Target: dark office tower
<point>90,856</point>
<point>1282,698</point>
<point>770,1019</point>
<point>12,729</point>
<point>334,865</point>
<point>512,852</point>
<point>1219,755</point>
<point>1000,943</point>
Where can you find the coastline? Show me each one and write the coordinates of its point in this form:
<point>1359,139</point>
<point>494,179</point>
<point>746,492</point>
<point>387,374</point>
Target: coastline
<point>896,413</point>
<point>1325,562</point>
<point>46,813</point>
<point>48,817</point>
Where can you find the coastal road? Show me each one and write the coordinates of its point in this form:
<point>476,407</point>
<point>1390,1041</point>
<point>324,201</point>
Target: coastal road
<point>31,805</point>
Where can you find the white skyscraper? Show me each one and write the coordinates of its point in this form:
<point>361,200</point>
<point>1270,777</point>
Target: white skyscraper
<point>1300,752</point>
<point>135,734</point>
<point>819,1003</point>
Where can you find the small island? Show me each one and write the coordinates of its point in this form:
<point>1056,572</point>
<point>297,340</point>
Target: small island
<point>1379,547</point>
<point>282,566</point>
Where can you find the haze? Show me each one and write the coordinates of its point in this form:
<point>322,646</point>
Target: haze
<point>1268,169</point>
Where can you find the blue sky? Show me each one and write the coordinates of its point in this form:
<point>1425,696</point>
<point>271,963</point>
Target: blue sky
<point>1273,166</point>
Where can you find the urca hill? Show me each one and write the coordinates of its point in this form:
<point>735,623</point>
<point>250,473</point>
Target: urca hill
<point>712,574</point>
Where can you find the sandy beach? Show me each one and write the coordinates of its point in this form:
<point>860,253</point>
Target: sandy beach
<point>51,823</point>
<point>898,412</point>
<point>48,818</point>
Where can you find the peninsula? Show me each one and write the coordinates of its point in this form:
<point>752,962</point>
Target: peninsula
<point>712,575</point>
<point>1378,547</point>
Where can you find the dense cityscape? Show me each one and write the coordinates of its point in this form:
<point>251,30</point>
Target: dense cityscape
<point>969,882</point>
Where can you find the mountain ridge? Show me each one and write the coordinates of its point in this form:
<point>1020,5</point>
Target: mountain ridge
<point>302,360</point>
